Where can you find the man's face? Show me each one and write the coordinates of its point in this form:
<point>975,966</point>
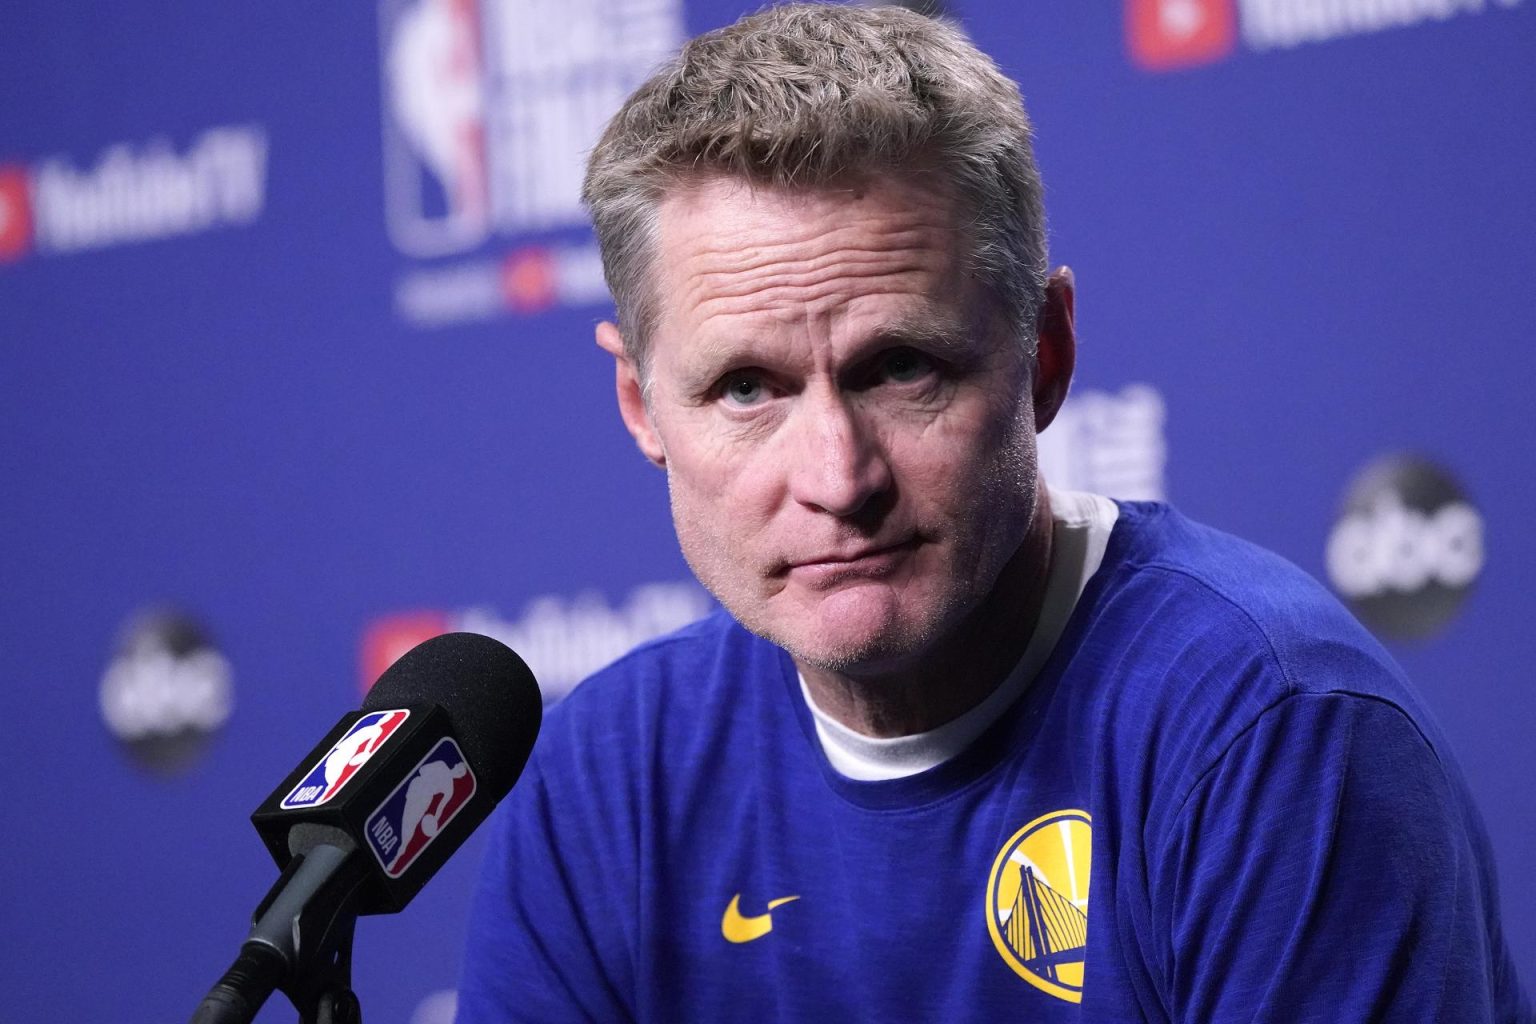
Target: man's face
<point>846,425</point>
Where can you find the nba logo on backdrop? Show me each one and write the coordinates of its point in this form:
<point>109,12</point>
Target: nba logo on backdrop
<point>1167,34</point>
<point>345,758</point>
<point>436,189</point>
<point>489,108</point>
<point>412,816</point>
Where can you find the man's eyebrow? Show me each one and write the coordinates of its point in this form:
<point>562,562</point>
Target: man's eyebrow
<point>713,356</point>
<point>715,350</point>
<point>941,332</point>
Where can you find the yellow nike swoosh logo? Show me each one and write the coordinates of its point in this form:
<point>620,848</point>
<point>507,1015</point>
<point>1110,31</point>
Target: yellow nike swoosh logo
<point>737,928</point>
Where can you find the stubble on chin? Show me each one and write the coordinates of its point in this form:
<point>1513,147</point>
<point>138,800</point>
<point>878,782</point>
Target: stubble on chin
<point>801,624</point>
<point>865,641</point>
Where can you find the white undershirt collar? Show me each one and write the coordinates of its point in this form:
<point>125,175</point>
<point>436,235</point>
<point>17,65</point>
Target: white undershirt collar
<point>1080,529</point>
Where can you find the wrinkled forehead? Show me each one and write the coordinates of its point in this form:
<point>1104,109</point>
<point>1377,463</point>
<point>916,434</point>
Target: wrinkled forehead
<point>911,197</point>
<point>730,252</point>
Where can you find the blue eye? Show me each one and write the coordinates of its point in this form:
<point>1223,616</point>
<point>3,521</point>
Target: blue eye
<point>743,389</point>
<point>904,365</point>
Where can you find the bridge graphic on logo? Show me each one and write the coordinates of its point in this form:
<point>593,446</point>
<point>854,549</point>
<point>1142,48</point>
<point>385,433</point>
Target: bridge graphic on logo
<point>1037,902</point>
<point>1045,929</point>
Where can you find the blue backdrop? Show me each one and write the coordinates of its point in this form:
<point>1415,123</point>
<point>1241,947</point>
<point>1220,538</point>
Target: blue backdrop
<point>295,352</point>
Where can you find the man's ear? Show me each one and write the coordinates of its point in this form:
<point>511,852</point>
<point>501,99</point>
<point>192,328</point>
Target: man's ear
<point>1057,353</point>
<point>626,385</point>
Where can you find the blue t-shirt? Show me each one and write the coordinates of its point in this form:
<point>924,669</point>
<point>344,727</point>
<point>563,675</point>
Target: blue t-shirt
<point>1219,800</point>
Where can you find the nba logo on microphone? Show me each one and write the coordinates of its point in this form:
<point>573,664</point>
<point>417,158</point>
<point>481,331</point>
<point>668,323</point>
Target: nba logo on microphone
<point>333,771</point>
<point>414,814</point>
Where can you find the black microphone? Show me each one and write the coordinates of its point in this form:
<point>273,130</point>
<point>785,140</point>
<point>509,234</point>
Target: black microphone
<point>373,811</point>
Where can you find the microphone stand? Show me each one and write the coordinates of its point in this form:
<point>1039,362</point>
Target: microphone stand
<point>301,943</point>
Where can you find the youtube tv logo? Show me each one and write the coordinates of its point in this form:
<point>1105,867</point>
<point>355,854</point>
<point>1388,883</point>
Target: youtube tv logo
<point>15,213</point>
<point>1164,35</point>
<point>387,638</point>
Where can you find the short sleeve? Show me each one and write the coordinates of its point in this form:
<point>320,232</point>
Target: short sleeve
<point>546,941</point>
<point>1326,868</point>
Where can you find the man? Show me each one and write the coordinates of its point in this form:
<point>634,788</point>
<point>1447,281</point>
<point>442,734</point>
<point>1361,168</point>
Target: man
<point>941,699</point>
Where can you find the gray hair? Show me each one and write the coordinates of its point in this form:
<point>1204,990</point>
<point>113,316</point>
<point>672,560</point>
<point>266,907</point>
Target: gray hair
<point>808,95</point>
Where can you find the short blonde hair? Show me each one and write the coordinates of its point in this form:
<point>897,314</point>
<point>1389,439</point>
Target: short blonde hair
<point>808,95</point>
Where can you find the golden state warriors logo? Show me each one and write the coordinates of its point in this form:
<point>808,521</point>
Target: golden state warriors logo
<point>1037,902</point>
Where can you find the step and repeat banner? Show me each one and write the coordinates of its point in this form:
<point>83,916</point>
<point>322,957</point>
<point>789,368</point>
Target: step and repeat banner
<point>296,309</point>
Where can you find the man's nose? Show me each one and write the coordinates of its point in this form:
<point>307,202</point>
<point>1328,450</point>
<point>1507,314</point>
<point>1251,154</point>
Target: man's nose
<point>839,462</point>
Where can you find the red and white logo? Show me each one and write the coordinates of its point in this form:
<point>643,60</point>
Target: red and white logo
<point>1163,35</point>
<point>438,199</point>
<point>133,192</point>
<point>346,756</point>
<point>413,815</point>
<point>15,213</point>
<point>386,639</point>
<point>530,279</point>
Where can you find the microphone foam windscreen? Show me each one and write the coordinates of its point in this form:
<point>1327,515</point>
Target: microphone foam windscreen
<point>491,698</point>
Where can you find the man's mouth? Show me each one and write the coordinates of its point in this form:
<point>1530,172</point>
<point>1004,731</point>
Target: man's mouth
<point>869,561</point>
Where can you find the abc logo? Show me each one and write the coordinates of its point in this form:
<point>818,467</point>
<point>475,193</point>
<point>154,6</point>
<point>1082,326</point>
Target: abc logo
<point>166,690</point>
<point>1406,548</point>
